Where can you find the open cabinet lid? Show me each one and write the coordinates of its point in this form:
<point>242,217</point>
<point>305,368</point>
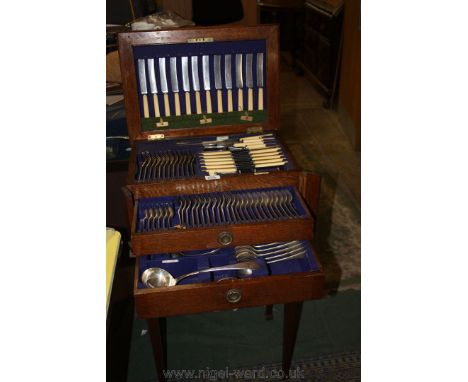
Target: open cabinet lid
<point>156,80</point>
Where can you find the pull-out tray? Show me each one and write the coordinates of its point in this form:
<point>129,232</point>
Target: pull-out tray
<point>289,280</point>
<point>211,220</point>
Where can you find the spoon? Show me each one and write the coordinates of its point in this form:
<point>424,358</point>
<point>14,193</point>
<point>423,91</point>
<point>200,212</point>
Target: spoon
<point>159,277</point>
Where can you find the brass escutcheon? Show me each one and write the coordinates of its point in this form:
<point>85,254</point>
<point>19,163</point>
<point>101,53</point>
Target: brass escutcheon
<point>225,238</point>
<point>233,295</point>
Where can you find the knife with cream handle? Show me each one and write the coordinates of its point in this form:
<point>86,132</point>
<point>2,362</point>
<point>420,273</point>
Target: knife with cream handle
<point>153,87</point>
<point>143,88</point>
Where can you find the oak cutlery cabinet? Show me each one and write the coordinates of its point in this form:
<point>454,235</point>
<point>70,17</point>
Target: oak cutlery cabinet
<point>208,173</point>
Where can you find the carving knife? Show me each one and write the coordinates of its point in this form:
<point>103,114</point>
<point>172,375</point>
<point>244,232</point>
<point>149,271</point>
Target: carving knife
<point>260,80</point>
<point>175,84</point>
<point>249,80</point>
<point>228,80</point>
<point>153,87</point>
<point>218,82</point>
<point>239,82</point>
<point>206,82</point>
<point>196,83</point>
<point>143,89</point>
<point>164,88</point>
<point>186,85</point>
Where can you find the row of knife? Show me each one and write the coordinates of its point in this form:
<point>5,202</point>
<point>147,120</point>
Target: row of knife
<point>219,98</point>
<point>245,154</point>
<point>205,210</point>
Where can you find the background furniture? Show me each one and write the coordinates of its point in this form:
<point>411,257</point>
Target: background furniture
<point>349,104</point>
<point>320,47</point>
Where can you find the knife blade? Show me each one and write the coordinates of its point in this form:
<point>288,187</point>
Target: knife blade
<point>196,83</point>
<point>260,80</point>
<point>153,86</point>
<point>175,84</point>
<point>206,82</point>
<point>164,88</point>
<point>228,79</point>
<point>143,88</point>
<point>249,80</point>
<point>239,83</point>
<point>218,82</point>
<point>186,85</point>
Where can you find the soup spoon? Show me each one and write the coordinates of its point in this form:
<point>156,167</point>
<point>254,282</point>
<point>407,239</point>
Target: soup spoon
<point>159,277</point>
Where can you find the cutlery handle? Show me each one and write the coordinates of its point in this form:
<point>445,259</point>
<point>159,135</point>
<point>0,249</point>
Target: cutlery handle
<point>240,99</point>
<point>177,103</point>
<point>260,98</point>
<point>229,99</point>
<point>157,114</point>
<point>145,106</point>
<point>272,164</point>
<point>198,102</point>
<point>188,108</point>
<point>217,162</point>
<point>231,267</point>
<point>167,110</point>
<point>220,101</point>
<point>209,109</point>
<point>250,99</point>
<point>250,145</point>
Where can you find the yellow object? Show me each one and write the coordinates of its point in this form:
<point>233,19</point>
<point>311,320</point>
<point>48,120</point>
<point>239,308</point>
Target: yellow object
<point>112,250</point>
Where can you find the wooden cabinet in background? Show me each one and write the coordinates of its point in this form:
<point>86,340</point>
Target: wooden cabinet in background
<point>320,46</point>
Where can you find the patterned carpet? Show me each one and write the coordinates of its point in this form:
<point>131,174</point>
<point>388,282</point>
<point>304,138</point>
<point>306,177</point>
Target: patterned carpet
<point>341,367</point>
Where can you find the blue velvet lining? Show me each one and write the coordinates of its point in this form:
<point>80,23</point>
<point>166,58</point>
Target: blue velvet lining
<point>170,145</point>
<point>199,49</point>
<point>224,256</point>
<point>175,203</point>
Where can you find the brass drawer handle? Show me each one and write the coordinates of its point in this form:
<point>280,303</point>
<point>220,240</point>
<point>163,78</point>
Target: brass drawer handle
<point>225,238</point>
<point>233,295</point>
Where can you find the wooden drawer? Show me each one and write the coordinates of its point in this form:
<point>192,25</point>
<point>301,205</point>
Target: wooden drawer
<point>204,227</point>
<point>218,295</point>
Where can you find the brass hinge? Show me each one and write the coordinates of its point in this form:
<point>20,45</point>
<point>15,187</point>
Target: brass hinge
<point>155,137</point>
<point>254,129</point>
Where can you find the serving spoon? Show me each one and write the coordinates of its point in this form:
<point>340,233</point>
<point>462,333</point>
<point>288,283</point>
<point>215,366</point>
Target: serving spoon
<point>159,277</point>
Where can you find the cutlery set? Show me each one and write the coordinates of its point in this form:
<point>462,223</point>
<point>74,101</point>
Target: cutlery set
<point>165,165</point>
<point>248,259</point>
<point>184,74</point>
<point>205,210</point>
<point>196,211</point>
<point>247,154</point>
<point>156,217</point>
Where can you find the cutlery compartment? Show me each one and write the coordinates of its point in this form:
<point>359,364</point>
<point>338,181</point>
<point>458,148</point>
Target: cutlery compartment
<point>211,220</point>
<point>182,85</point>
<point>292,279</point>
<point>185,158</point>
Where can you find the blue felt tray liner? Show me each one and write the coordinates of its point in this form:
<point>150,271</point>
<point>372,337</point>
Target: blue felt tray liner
<point>224,256</point>
<point>170,145</point>
<point>200,49</point>
<point>174,202</point>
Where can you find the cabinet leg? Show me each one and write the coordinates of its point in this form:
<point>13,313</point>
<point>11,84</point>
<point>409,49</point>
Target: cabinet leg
<point>157,331</point>
<point>292,316</point>
<point>268,312</point>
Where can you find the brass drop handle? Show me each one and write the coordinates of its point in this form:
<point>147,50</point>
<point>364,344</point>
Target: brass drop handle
<point>233,295</point>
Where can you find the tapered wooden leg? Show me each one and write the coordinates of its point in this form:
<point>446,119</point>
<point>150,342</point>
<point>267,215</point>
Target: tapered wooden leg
<point>268,312</point>
<point>157,331</point>
<point>292,316</point>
